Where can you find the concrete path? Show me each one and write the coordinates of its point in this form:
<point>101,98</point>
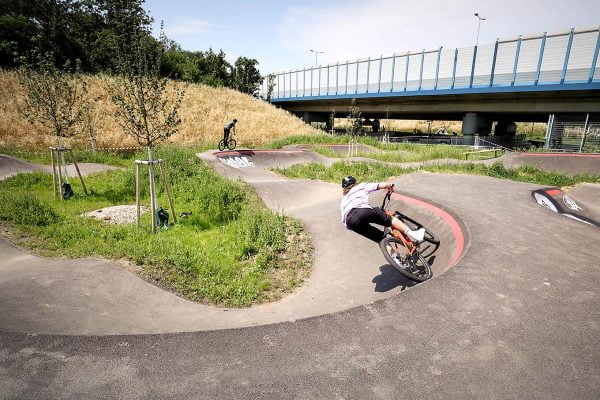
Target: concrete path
<point>10,166</point>
<point>517,317</point>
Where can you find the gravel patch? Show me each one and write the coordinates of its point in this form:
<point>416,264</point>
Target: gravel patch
<point>119,215</point>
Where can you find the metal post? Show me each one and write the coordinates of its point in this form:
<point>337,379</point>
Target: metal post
<point>473,66</point>
<point>283,84</point>
<point>514,75</point>
<point>437,68</point>
<point>539,66</point>
<point>337,77</point>
<point>327,90</point>
<point>319,83</point>
<point>368,73</point>
<point>406,71</point>
<point>311,80</point>
<point>494,63</point>
<point>567,54</point>
<point>595,60</point>
<point>587,118</point>
<point>278,85</point>
<point>549,129</point>
<point>380,65</point>
<point>393,70</point>
<point>356,86</point>
<point>454,68</point>
<point>346,91</point>
<point>421,73</point>
<point>297,74</point>
<point>304,82</point>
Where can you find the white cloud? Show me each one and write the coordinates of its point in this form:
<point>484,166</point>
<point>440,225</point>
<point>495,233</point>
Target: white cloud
<point>187,27</point>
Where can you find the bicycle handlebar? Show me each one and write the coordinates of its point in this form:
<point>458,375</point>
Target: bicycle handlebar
<point>387,196</point>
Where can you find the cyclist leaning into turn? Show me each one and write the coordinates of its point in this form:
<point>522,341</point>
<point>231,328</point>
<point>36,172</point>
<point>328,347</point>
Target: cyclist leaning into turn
<point>358,214</point>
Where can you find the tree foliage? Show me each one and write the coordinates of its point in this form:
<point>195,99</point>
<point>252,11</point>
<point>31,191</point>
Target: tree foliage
<point>355,119</point>
<point>92,32</point>
<point>145,109</point>
<point>56,98</point>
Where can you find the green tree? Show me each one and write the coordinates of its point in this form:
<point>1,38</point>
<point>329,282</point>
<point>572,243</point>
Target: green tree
<point>56,98</point>
<point>270,86</point>
<point>246,77</point>
<point>355,119</point>
<point>146,109</point>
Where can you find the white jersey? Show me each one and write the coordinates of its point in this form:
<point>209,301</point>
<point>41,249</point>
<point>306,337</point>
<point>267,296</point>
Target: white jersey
<point>357,197</point>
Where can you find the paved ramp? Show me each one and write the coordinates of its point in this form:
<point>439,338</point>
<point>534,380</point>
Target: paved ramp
<point>89,296</point>
<point>566,163</point>
<point>10,166</point>
<point>503,323</point>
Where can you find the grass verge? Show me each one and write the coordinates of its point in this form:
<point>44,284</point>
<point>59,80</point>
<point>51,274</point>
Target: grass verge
<point>389,152</point>
<point>230,251</point>
<point>364,171</point>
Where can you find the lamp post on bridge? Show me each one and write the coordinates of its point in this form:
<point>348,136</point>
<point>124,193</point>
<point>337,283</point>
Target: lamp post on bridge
<point>316,56</point>
<point>479,19</point>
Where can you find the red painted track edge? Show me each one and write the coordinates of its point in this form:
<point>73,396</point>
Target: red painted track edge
<point>459,238</point>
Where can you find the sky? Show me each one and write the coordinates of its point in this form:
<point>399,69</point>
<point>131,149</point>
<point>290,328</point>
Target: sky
<point>281,33</point>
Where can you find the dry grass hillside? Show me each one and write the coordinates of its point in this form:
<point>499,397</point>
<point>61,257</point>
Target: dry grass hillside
<point>204,111</point>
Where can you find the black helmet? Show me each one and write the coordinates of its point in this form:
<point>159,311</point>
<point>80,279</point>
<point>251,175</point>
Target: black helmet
<point>348,181</point>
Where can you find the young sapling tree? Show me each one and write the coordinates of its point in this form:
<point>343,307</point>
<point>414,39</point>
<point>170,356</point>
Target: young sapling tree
<point>147,103</point>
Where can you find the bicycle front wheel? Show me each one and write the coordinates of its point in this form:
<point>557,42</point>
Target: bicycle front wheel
<point>222,145</point>
<point>231,144</point>
<point>413,266</point>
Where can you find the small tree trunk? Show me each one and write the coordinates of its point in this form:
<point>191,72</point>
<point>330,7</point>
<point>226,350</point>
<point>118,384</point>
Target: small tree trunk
<point>153,202</point>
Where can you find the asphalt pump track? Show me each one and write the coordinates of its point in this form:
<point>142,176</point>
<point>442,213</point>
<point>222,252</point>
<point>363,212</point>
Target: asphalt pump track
<point>516,316</point>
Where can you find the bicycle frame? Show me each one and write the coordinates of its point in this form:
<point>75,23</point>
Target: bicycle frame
<point>408,243</point>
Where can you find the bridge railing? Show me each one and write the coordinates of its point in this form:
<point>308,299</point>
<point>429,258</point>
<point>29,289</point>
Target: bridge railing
<point>542,59</point>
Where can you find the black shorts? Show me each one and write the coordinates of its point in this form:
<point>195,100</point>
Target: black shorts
<point>359,220</point>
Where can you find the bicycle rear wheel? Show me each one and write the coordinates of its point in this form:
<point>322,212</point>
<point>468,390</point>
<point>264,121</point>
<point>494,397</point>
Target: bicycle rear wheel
<point>413,266</point>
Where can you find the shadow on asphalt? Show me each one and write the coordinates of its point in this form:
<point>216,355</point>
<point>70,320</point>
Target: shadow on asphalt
<point>390,279</point>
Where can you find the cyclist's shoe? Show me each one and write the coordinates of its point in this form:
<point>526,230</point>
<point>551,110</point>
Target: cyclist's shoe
<point>417,235</point>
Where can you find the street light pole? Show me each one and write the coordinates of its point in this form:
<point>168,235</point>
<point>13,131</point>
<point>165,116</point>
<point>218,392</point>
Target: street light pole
<point>479,19</point>
<point>316,56</point>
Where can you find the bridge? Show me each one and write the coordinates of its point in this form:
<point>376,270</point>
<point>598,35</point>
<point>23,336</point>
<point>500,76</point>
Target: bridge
<point>524,78</point>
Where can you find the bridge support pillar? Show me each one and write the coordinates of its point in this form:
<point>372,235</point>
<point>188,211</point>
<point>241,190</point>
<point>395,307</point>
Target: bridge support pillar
<point>309,117</point>
<point>476,124</point>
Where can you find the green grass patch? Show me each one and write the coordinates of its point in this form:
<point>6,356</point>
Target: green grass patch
<point>389,152</point>
<point>364,171</point>
<point>230,251</point>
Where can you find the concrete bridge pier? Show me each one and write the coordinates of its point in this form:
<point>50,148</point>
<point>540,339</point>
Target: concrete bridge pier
<point>474,123</point>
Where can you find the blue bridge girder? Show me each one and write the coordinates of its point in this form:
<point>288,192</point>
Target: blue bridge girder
<point>560,70</point>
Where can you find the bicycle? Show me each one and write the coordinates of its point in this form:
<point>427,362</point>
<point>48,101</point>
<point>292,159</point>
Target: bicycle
<point>231,142</point>
<point>405,255</point>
